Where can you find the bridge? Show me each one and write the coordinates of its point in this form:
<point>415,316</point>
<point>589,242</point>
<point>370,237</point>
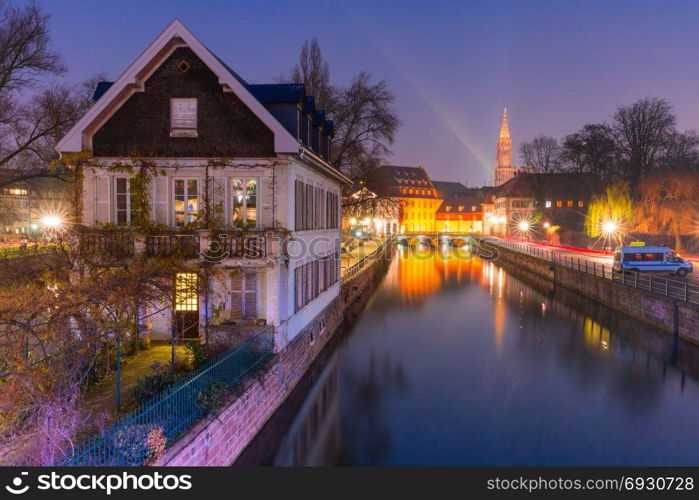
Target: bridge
<point>436,239</point>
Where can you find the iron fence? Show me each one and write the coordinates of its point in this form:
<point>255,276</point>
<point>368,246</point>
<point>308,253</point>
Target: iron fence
<point>172,411</point>
<point>674,288</point>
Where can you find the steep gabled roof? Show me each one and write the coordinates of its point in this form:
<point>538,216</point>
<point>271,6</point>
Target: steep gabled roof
<point>132,80</point>
<point>468,202</point>
<point>389,179</point>
<point>450,189</point>
<point>268,93</point>
<point>558,185</point>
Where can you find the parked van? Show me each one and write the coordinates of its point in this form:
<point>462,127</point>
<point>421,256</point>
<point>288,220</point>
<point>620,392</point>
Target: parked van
<point>650,259</point>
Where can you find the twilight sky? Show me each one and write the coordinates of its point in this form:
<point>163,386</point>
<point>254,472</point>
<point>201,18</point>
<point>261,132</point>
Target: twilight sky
<point>453,65</point>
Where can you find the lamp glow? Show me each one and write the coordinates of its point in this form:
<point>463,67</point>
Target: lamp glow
<point>609,227</point>
<point>52,222</point>
<point>523,226</point>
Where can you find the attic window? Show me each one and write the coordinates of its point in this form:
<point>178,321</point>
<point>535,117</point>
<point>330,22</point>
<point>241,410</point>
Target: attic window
<point>183,117</point>
<point>183,66</point>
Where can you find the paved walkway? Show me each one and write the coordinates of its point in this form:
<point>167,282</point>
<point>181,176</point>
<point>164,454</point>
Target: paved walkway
<point>357,251</point>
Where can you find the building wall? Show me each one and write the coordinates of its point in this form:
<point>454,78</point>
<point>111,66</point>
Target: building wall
<point>419,214</point>
<point>226,127</point>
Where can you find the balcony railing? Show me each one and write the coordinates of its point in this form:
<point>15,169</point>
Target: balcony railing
<point>172,245</point>
<point>213,247</point>
<point>107,244</point>
<point>240,245</point>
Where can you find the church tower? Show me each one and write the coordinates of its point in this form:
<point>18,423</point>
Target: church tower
<point>503,165</point>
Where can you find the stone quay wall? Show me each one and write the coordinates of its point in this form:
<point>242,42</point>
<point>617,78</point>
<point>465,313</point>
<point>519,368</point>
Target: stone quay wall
<point>665,313</point>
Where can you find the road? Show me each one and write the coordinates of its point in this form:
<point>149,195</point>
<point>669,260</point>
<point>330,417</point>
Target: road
<point>603,259</point>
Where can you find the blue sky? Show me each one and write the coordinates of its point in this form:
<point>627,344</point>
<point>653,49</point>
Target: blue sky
<point>453,65</point>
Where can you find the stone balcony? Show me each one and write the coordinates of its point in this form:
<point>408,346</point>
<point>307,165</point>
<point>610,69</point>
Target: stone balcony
<point>215,247</point>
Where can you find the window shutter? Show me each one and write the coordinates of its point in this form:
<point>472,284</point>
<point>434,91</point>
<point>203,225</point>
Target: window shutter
<point>250,298</point>
<point>309,206</point>
<point>161,197</point>
<point>237,296</point>
<point>298,223</point>
<point>102,199</point>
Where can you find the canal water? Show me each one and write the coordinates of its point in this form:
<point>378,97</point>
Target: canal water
<point>459,361</point>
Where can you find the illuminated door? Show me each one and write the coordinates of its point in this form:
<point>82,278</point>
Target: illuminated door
<point>187,305</point>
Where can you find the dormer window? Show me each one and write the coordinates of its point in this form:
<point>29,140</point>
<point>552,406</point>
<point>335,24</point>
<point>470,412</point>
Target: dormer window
<point>183,117</point>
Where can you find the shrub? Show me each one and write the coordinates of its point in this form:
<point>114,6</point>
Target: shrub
<point>212,397</point>
<point>150,385</point>
<point>198,354</point>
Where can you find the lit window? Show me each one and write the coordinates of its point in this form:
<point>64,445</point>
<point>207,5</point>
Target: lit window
<point>448,208</point>
<point>569,203</point>
<point>17,191</point>
<point>186,292</point>
<point>186,201</point>
<point>461,208</point>
<point>245,202</point>
<point>548,204</point>
<point>559,203</point>
<point>581,203</point>
<point>183,117</point>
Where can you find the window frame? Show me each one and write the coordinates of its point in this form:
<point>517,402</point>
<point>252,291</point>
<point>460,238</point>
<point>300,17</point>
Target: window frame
<point>244,209</point>
<point>185,132</point>
<point>186,180</point>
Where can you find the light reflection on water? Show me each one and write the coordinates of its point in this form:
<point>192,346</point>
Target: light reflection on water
<point>460,362</point>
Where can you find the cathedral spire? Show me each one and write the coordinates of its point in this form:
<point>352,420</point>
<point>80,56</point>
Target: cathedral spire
<point>503,164</point>
<point>504,127</point>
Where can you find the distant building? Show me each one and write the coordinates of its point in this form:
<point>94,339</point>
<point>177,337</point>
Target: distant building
<point>504,171</point>
<point>556,201</point>
<point>460,215</point>
<point>22,205</point>
<point>412,187</point>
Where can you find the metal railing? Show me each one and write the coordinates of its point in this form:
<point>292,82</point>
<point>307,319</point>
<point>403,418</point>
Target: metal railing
<point>351,272</point>
<point>249,245</point>
<point>117,244</point>
<point>172,411</point>
<point>171,245</point>
<point>667,287</point>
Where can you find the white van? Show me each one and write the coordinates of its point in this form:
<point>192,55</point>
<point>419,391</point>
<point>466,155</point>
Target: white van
<point>650,259</point>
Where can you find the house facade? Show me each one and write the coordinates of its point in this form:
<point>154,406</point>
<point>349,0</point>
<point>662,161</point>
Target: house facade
<point>553,203</point>
<point>251,161</point>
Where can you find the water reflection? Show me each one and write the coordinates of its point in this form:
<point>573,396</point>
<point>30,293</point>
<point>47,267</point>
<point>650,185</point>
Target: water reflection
<point>466,362</point>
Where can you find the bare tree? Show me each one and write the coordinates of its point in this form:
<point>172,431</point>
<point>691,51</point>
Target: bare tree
<point>681,151</point>
<point>364,119</point>
<point>641,131</point>
<point>314,72</point>
<point>591,150</point>
<point>365,126</point>
<point>541,154</point>
<point>32,117</point>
